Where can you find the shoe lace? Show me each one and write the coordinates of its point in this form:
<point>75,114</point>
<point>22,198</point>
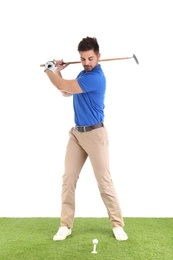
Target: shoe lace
<point>61,231</point>
<point>120,231</point>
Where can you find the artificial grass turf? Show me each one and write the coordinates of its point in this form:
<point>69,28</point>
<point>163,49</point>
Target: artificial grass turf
<point>31,239</point>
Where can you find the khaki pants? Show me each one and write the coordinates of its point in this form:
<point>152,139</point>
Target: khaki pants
<point>95,145</point>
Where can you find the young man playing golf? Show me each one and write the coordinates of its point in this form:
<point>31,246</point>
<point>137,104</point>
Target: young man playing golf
<point>88,138</point>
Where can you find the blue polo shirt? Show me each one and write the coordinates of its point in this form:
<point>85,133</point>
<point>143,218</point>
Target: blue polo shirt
<point>89,105</point>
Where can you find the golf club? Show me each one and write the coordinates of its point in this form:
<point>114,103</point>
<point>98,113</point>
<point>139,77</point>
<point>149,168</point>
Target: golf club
<point>110,59</point>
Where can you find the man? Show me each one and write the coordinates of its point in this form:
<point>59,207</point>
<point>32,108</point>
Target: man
<point>88,138</point>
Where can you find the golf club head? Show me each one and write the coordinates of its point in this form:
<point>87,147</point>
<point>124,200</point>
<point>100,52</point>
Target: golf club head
<point>135,59</point>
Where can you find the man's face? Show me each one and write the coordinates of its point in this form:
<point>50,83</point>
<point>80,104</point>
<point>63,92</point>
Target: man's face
<point>89,59</point>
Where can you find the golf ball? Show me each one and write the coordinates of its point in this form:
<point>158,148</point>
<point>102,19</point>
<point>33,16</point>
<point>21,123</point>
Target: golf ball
<point>95,241</point>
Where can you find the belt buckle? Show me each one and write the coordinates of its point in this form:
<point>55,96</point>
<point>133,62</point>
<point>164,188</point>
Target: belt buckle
<point>84,128</point>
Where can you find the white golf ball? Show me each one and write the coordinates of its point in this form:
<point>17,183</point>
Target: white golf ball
<point>95,241</point>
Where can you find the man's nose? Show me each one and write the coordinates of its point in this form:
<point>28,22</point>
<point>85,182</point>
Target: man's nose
<point>86,62</point>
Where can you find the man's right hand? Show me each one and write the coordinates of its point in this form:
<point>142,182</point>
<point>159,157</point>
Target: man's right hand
<point>60,64</point>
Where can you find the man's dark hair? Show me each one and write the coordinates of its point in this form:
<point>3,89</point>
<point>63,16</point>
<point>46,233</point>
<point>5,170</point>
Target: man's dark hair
<point>88,44</point>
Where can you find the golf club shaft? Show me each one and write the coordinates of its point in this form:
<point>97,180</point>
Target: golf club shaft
<point>110,59</point>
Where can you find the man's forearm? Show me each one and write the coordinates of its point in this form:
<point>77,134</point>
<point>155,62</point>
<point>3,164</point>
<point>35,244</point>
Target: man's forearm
<point>70,86</point>
<point>58,73</point>
<point>56,79</point>
<point>66,94</point>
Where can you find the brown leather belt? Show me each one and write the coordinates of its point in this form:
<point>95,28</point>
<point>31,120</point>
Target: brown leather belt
<point>88,128</point>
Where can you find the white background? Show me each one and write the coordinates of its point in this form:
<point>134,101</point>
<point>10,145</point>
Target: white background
<point>35,118</point>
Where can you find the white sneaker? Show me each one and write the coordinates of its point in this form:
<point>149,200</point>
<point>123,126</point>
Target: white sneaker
<point>120,234</point>
<point>62,233</point>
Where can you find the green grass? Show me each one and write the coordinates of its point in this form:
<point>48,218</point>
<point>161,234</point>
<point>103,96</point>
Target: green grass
<point>31,239</point>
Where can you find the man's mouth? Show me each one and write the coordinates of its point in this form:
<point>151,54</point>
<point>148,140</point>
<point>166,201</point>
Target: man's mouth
<point>87,67</point>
